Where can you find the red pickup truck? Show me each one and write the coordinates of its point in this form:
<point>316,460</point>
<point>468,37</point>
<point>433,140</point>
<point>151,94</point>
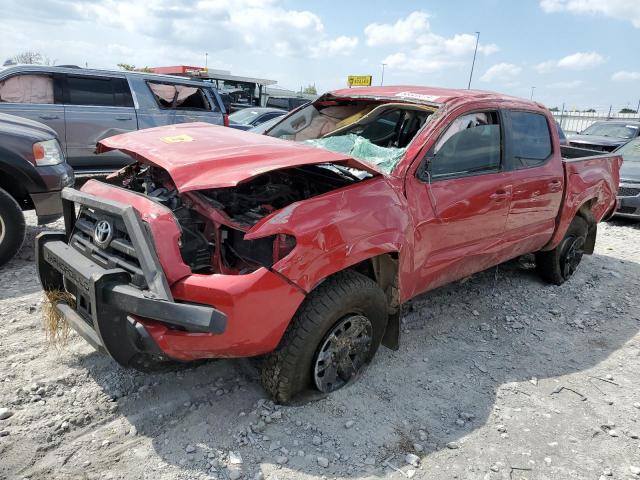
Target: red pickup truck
<point>302,244</point>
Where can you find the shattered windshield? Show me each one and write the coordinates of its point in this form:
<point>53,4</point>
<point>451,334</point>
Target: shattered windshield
<point>373,132</point>
<point>384,158</point>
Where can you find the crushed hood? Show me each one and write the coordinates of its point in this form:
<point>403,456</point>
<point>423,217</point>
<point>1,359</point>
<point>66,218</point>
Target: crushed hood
<point>202,156</point>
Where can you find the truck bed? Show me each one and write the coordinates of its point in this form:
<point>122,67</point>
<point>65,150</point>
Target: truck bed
<point>591,178</point>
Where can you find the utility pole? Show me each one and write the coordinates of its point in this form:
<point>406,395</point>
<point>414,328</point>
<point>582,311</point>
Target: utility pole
<point>638,108</point>
<point>206,61</point>
<point>382,78</point>
<point>532,89</point>
<point>473,63</point>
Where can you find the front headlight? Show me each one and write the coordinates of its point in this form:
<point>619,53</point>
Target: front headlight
<point>47,153</point>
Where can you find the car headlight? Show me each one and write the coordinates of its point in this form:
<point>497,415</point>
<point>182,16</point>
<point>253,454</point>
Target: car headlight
<point>47,153</point>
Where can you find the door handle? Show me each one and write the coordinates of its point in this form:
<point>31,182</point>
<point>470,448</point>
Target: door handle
<point>555,185</point>
<point>49,117</point>
<point>499,195</point>
<point>123,118</point>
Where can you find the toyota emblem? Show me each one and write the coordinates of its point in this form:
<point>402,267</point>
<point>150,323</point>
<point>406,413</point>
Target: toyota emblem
<point>103,233</point>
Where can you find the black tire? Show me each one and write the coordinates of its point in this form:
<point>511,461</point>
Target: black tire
<point>289,370</point>
<point>12,227</point>
<point>556,266</point>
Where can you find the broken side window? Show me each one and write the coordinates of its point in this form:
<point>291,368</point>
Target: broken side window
<point>179,97</point>
<point>34,89</point>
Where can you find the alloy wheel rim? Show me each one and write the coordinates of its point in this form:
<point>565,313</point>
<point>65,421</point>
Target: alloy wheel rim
<point>343,353</point>
<point>572,255</point>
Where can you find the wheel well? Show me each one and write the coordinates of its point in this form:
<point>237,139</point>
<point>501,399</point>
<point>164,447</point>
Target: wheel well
<point>13,188</point>
<point>383,269</point>
<point>586,213</point>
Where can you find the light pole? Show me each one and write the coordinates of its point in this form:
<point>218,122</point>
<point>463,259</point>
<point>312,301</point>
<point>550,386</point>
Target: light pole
<point>206,61</point>
<point>532,89</point>
<point>473,63</point>
<point>382,78</point>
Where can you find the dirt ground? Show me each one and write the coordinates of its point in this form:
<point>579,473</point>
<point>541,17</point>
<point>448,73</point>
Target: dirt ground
<point>497,377</point>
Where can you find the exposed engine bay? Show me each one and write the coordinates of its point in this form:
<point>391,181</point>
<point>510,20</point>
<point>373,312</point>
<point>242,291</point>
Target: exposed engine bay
<point>213,222</point>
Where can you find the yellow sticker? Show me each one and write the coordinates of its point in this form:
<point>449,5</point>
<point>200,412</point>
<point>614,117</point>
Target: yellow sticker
<point>177,139</point>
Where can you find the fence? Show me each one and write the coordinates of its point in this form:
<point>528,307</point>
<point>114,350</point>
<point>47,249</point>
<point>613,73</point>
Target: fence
<point>572,122</point>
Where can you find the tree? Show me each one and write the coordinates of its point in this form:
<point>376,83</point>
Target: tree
<point>554,109</point>
<point>627,110</point>
<point>591,110</point>
<point>310,89</point>
<point>127,66</point>
<point>132,68</point>
<point>31,57</point>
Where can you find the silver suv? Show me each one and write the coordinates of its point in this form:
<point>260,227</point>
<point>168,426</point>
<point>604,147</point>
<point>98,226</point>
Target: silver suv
<point>84,106</point>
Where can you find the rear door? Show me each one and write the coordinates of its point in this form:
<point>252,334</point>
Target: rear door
<point>179,103</point>
<point>537,178</point>
<point>96,107</point>
<point>36,96</point>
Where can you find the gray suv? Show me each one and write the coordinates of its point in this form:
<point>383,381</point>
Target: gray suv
<point>84,106</point>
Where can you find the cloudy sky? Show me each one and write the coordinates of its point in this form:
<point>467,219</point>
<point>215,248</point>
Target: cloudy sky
<point>580,52</point>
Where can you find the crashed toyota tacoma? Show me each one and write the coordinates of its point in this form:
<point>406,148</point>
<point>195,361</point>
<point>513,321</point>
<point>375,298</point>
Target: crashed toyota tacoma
<point>300,246</point>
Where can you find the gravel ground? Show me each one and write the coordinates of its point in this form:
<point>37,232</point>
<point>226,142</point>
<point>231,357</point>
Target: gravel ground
<point>498,377</point>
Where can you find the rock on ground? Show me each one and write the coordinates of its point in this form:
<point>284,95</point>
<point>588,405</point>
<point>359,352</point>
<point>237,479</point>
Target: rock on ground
<point>463,377</point>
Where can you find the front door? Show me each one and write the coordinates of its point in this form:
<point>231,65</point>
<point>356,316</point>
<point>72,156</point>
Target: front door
<point>460,201</point>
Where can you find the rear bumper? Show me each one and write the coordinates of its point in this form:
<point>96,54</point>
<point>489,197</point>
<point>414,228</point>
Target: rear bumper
<point>108,309</point>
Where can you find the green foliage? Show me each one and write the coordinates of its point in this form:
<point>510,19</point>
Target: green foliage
<point>310,89</point>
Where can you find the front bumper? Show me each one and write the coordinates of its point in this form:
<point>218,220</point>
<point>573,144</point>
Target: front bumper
<point>48,202</point>
<point>108,308</point>
<point>628,200</point>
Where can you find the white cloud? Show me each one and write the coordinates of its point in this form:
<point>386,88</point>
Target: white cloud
<point>546,67</point>
<point>404,30</point>
<point>581,61</point>
<point>262,25</point>
<point>575,61</point>
<point>619,9</point>
<point>566,85</point>
<point>624,76</point>
<point>342,45</point>
<point>501,72</point>
<point>422,50</point>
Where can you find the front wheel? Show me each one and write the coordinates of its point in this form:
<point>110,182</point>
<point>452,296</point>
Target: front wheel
<point>558,265</point>
<point>12,227</point>
<point>334,334</point>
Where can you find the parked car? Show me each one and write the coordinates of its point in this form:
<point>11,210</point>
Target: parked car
<point>85,106</point>
<point>606,136</point>
<point>247,118</point>
<point>33,171</point>
<point>263,127</point>
<point>629,192</point>
<point>286,103</point>
<point>302,244</point>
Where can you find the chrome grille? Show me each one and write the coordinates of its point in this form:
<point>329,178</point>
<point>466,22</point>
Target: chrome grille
<point>628,191</point>
<point>119,253</point>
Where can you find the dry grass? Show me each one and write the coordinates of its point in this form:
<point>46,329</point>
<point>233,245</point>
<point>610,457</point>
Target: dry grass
<point>55,326</point>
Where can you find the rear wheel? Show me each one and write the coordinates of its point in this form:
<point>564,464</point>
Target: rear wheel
<point>558,265</point>
<point>334,334</point>
<point>12,227</point>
